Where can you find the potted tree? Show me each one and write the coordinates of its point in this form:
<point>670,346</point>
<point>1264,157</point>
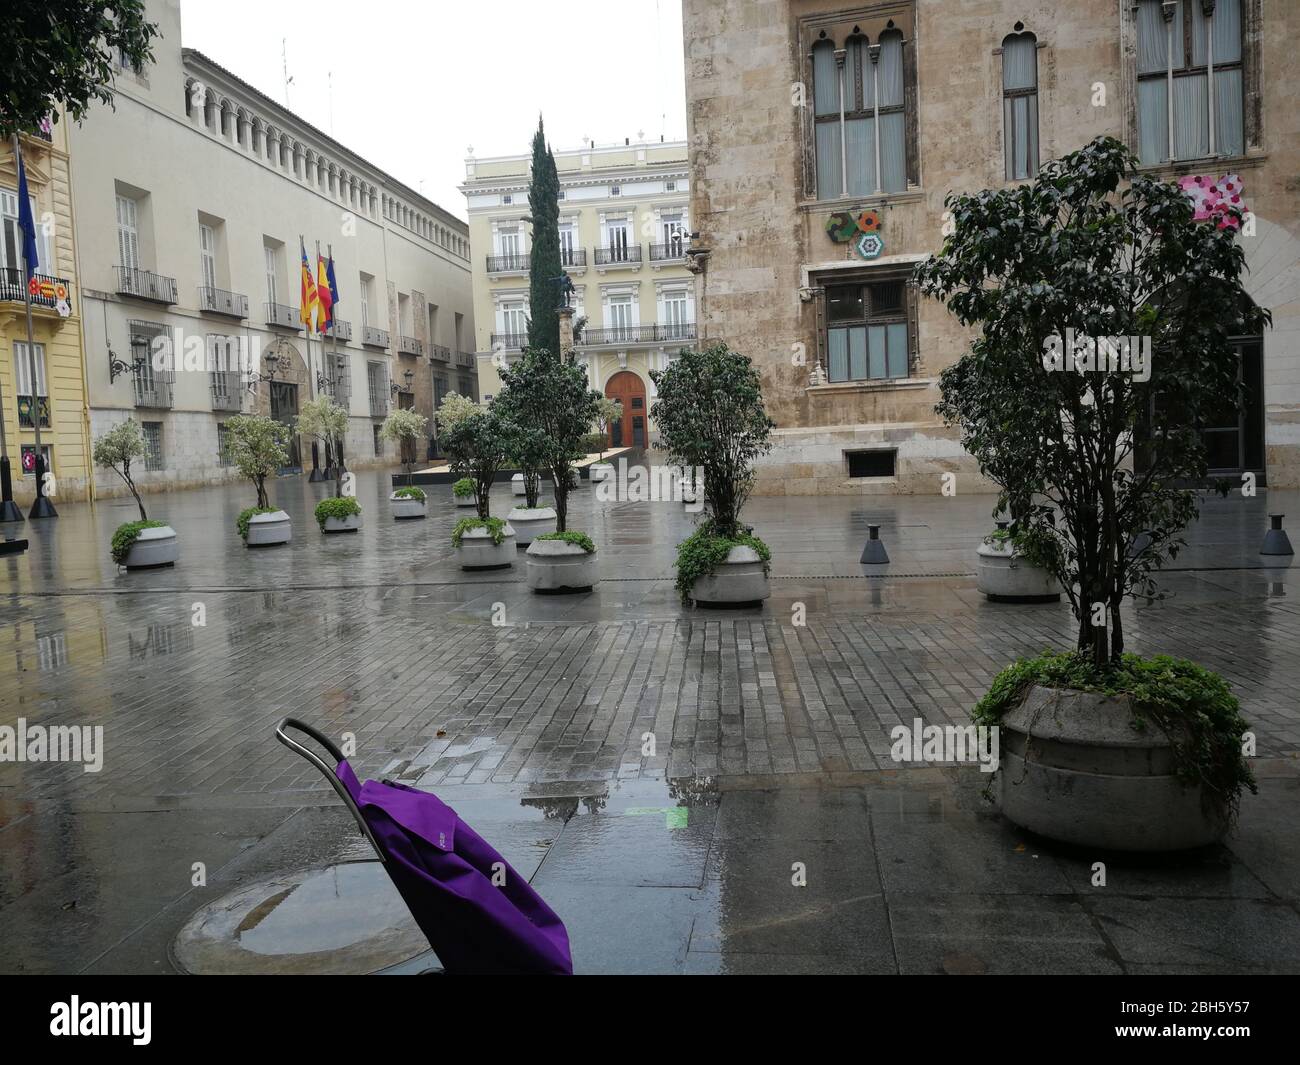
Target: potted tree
<point>462,492</point>
<point>1016,566</point>
<point>258,446</point>
<point>478,447</point>
<point>530,451</point>
<point>322,417</point>
<point>710,415</point>
<point>405,428</point>
<point>608,411</point>
<point>136,544</point>
<point>454,409</point>
<point>1103,310</point>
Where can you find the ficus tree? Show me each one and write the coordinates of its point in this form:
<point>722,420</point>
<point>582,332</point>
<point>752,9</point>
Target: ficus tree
<point>550,395</point>
<point>66,52</point>
<point>404,427</point>
<point>710,415</point>
<point>258,446</point>
<point>115,450</point>
<point>479,448</point>
<point>1069,281</point>
<point>608,411</point>
<point>326,420</point>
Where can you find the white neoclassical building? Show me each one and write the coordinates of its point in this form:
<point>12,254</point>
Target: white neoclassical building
<point>191,197</point>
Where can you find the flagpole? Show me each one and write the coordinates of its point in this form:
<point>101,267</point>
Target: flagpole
<point>334,344</point>
<point>41,506</point>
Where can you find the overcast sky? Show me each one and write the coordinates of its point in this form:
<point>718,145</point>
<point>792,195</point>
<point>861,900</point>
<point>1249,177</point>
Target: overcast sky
<point>415,83</point>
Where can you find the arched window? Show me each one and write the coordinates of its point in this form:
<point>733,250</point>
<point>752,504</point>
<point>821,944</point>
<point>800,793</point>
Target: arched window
<point>1020,105</point>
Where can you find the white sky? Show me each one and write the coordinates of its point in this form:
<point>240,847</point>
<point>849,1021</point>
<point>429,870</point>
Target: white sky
<point>416,82</point>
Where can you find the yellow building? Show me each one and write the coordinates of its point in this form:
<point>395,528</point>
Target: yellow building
<point>57,389</point>
<point>624,231</point>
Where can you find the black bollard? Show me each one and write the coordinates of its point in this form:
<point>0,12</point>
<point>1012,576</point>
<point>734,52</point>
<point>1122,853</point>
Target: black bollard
<point>1276,541</point>
<point>874,553</point>
<point>8,508</point>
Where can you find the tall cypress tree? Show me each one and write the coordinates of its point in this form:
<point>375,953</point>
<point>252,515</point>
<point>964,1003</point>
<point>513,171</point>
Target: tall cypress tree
<point>544,265</point>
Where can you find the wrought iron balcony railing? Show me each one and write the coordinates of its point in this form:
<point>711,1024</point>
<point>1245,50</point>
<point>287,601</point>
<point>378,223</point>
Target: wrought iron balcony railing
<point>511,263</point>
<point>283,315</point>
<point>410,346</point>
<point>638,334</point>
<point>375,338</point>
<point>153,392</point>
<point>341,329</point>
<point>466,359</point>
<point>670,252</point>
<point>145,285</point>
<point>439,353</point>
<point>573,257</point>
<point>619,255</point>
<point>46,291</point>
<point>510,341</point>
<point>219,301</point>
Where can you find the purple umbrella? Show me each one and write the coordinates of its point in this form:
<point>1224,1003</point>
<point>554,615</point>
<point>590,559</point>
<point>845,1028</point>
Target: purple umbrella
<point>478,914</point>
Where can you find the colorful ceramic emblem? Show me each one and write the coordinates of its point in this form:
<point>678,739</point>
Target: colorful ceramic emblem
<point>1214,201</point>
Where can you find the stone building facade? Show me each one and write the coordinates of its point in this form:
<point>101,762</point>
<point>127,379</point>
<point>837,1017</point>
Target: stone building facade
<point>800,109</point>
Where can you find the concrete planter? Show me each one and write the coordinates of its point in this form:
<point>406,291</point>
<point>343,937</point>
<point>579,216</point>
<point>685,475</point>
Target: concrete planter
<point>463,501</point>
<point>517,485</point>
<point>404,507</point>
<point>529,523</point>
<point>1003,575</point>
<point>600,471</point>
<point>1074,769</point>
<point>477,551</point>
<point>153,547</point>
<point>265,530</point>
<point>343,525</point>
<point>739,581</point>
<point>557,568</point>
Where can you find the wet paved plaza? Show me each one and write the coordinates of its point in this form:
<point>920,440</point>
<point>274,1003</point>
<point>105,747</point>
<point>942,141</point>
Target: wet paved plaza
<point>528,715</point>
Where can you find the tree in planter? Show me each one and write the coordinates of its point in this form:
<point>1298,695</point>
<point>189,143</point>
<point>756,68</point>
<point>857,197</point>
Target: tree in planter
<point>544,261</point>
<point>258,446</point>
<point>479,448</point>
<point>404,427</point>
<point>115,450</point>
<point>608,411</point>
<point>550,395</point>
<point>529,448</point>
<point>326,420</point>
<point>1073,256</point>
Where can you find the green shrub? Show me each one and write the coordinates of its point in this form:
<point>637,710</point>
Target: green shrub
<point>126,535</point>
<point>241,523</point>
<point>705,550</point>
<point>410,492</point>
<point>1192,706</point>
<point>336,507</point>
<point>495,526</point>
<point>463,488</point>
<point>577,539</point>
<point>593,443</point>
<point>1037,546</point>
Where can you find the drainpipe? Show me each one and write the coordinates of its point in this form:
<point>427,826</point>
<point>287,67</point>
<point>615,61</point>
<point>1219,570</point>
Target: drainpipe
<point>87,444</point>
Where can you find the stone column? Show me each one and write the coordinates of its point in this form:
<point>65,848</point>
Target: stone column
<point>566,331</point>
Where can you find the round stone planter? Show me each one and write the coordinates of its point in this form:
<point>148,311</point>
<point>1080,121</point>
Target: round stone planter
<point>529,523</point>
<point>404,507</point>
<point>1074,769</point>
<point>599,471</point>
<point>265,530</point>
<point>558,568</point>
<point>343,525</point>
<point>1003,575</point>
<point>739,581</point>
<point>477,551</point>
<point>463,501</point>
<point>153,547</point>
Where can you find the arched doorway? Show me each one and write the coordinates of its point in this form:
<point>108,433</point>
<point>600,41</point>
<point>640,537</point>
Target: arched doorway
<point>279,396</point>
<point>629,390</point>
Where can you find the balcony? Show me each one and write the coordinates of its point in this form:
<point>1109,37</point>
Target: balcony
<point>410,346</point>
<point>638,334</point>
<point>466,360</point>
<point>341,329</point>
<point>219,301</point>
<point>514,263</point>
<point>145,285</point>
<point>46,291</point>
<point>573,258</point>
<point>374,338</point>
<point>283,315</point>
<point>617,256</point>
<point>224,386</point>
<point>439,353</point>
<point>153,391</point>
<point>672,252</point>
<point>510,341</point>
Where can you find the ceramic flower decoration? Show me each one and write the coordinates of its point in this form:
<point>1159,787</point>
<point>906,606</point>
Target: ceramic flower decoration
<point>1215,201</point>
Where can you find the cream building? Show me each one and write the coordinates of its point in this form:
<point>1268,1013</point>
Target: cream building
<point>191,200</point>
<point>624,230</point>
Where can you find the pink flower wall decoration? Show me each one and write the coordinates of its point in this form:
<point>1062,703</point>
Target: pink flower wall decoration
<point>1215,201</point>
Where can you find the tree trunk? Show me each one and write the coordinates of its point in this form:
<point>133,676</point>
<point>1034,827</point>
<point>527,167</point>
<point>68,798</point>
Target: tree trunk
<point>561,499</point>
<point>261,491</point>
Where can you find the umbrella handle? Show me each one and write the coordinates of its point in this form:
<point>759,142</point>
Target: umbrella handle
<point>330,775</point>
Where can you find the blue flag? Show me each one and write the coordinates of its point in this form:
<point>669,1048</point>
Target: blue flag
<point>26,221</point>
<point>334,288</point>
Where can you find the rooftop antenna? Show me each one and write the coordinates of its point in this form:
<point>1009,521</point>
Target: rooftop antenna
<point>284,62</point>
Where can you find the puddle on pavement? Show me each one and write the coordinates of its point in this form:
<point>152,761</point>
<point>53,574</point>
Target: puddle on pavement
<point>346,918</point>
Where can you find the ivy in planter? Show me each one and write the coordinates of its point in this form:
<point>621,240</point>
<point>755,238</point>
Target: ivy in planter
<point>1192,706</point>
<point>706,549</point>
<point>577,539</point>
<point>336,507</point>
<point>241,523</point>
<point>464,488</point>
<point>411,492</point>
<point>496,528</point>
<point>127,534</point>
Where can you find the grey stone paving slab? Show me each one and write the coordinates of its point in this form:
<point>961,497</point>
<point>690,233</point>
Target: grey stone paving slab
<point>622,930</point>
<point>642,847</point>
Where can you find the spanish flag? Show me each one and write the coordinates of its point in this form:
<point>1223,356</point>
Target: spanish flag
<point>324,297</point>
<point>309,298</point>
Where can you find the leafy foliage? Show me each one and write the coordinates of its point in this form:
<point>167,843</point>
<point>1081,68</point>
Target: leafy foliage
<point>710,414</point>
<point>496,528</point>
<point>544,261</point>
<point>65,52</point>
<point>454,409</point>
<point>608,411</point>
<point>339,507</point>
<point>701,553</point>
<point>258,446</point>
<point>404,427</point>
<point>114,451</point>
<point>479,447</point>
<point>241,523</point>
<point>326,420</point>
<point>126,535</point>
<point>577,539</point>
<point>410,491</point>
<point>1091,246</point>
<point>463,487</point>
<point>1194,707</point>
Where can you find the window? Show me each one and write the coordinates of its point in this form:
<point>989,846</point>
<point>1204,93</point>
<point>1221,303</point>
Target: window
<point>672,233</point>
<point>671,186</point>
<point>560,195</point>
<point>153,450</point>
<point>208,256</point>
<point>1020,105</point>
<point>366,279</point>
<point>272,274</point>
<point>860,128</point>
<point>676,318</point>
<point>11,235</point>
<point>1190,89</point>
<point>507,198</point>
<point>568,241</point>
<point>27,458</point>
<point>616,239</point>
<point>867,335</point>
<point>510,246</point>
<point>614,190</point>
<point>514,318</point>
<point>619,315</point>
<point>379,441</point>
<point>223,445</point>
<point>128,234</point>
<point>875,463</point>
<point>27,405</point>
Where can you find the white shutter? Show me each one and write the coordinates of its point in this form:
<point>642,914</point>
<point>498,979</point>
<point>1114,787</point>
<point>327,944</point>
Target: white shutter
<point>208,254</point>
<point>23,370</point>
<point>270,273</point>
<point>128,240</point>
